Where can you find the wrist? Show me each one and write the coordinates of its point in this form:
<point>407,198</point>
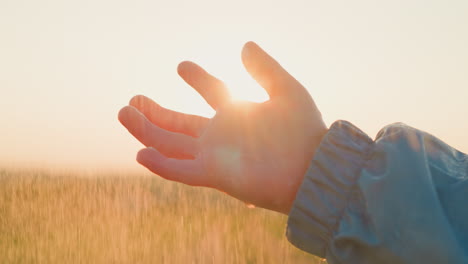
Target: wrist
<point>309,157</point>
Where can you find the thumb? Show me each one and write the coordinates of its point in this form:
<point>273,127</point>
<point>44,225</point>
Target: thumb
<point>269,73</point>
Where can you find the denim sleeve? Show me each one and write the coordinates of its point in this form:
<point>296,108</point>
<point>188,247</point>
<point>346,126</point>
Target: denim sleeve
<point>402,198</point>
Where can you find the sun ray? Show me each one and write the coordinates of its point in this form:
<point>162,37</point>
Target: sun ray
<point>242,87</point>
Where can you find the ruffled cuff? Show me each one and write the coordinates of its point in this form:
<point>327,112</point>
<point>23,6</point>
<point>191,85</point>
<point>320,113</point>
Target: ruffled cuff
<point>324,192</point>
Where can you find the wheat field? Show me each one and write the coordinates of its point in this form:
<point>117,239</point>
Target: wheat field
<point>103,218</point>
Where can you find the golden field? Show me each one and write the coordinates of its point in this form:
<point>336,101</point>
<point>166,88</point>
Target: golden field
<point>71,218</point>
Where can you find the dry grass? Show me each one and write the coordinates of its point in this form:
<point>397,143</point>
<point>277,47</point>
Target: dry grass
<point>48,218</point>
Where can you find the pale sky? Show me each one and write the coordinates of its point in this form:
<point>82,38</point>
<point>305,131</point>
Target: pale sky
<point>67,67</point>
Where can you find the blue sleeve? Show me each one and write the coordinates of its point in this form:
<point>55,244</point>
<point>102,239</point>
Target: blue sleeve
<point>402,198</point>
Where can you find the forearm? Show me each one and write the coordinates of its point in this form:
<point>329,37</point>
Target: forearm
<point>391,200</point>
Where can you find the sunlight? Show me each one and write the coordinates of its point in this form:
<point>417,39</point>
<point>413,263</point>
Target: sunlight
<point>242,87</point>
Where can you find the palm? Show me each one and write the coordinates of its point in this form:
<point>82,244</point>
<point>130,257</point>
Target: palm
<point>255,152</point>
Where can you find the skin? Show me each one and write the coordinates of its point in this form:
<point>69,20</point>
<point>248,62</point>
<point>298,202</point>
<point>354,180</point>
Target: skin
<point>255,152</point>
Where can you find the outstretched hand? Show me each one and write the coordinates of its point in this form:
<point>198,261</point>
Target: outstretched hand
<point>256,152</point>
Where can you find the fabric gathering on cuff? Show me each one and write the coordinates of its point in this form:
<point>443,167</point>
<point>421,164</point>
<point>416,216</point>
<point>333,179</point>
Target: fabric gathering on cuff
<point>323,195</point>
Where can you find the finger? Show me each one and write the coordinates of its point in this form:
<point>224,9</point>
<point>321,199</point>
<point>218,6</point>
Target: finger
<point>269,73</point>
<point>191,125</point>
<point>171,144</point>
<point>210,88</point>
<point>184,171</point>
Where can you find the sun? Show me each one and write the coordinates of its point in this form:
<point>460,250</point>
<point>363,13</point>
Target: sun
<point>242,87</point>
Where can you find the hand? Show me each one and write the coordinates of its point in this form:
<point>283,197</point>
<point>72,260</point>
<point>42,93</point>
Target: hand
<point>256,152</point>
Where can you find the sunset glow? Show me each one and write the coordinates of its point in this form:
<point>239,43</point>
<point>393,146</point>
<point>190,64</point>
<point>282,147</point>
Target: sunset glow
<point>243,87</point>
<point>66,70</point>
